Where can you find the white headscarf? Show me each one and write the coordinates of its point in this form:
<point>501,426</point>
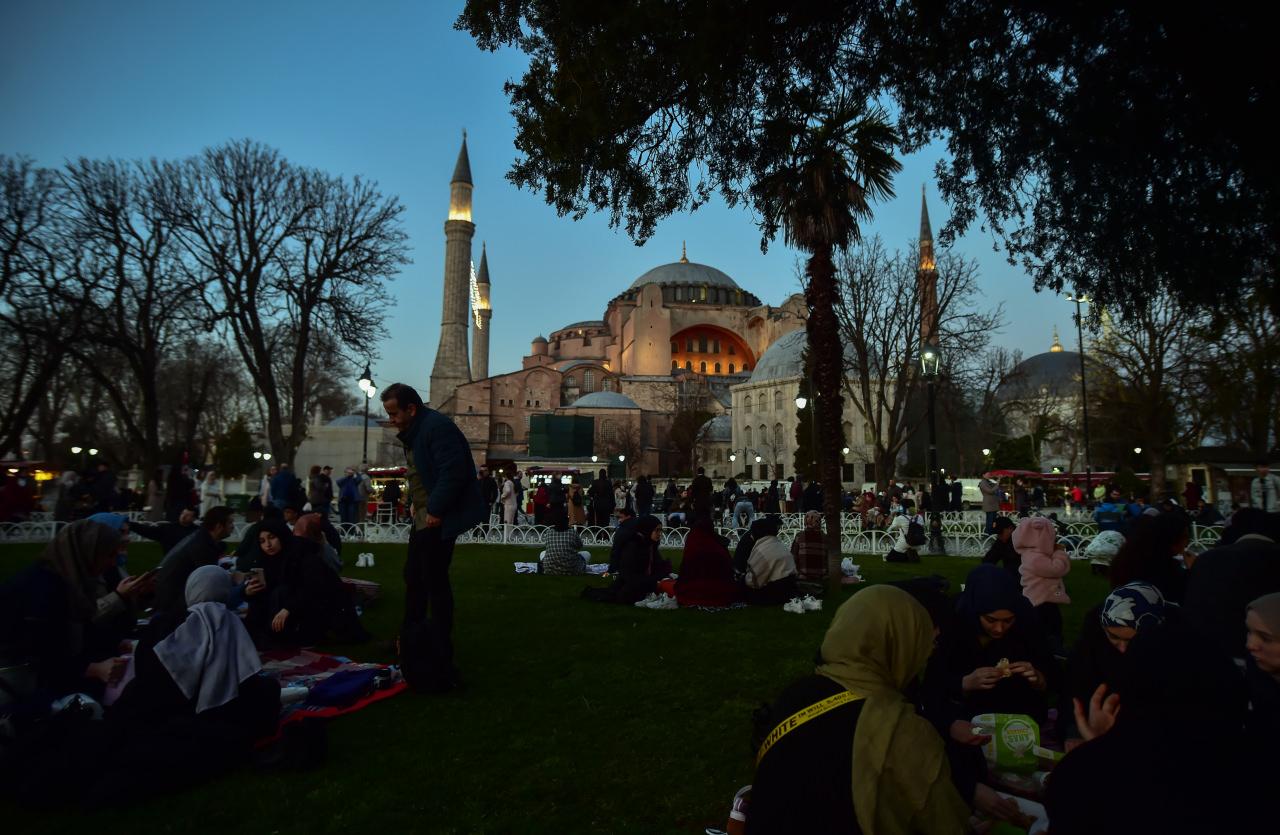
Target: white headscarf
<point>211,652</point>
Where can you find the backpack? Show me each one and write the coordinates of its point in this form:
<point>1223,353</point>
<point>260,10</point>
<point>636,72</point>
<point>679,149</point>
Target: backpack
<point>424,658</point>
<point>915,534</point>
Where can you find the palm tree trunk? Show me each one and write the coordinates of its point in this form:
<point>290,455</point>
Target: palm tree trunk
<point>828,370</point>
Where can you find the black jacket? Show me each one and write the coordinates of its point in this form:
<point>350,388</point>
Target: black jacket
<point>168,534</point>
<point>196,550</point>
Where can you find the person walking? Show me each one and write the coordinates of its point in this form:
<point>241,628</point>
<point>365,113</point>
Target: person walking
<point>446,502</point>
<point>1264,490</point>
<point>210,492</point>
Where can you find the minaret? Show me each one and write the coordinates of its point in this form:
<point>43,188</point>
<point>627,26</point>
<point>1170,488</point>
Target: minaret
<point>452,367</point>
<point>927,278</point>
<point>480,325</point>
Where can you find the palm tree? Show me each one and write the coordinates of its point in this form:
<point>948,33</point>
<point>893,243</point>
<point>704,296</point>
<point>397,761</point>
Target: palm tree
<point>838,163</point>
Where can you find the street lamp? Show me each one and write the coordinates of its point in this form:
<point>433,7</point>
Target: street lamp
<point>76,450</point>
<point>366,385</point>
<point>801,401</point>
<point>844,451</point>
<point>1137,450</point>
<point>595,459</point>
<point>93,451</point>
<point>930,365</point>
<point>1084,396</point>
<point>986,452</point>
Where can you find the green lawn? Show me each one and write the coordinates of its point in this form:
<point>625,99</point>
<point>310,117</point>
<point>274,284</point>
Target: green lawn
<point>576,716</point>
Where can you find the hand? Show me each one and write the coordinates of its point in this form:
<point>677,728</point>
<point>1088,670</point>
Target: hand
<point>1103,710</point>
<point>994,805</point>
<point>254,585</point>
<point>962,732</point>
<point>109,671</point>
<point>983,678</point>
<point>1028,671</point>
<point>131,587</point>
<point>434,521</point>
<point>277,623</point>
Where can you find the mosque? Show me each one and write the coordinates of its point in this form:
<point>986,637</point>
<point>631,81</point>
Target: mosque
<point>681,336</point>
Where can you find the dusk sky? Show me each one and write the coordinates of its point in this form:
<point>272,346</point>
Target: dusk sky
<point>384,90</point>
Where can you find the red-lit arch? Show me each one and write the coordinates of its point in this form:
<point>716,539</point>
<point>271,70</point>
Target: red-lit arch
<point>711,344</point>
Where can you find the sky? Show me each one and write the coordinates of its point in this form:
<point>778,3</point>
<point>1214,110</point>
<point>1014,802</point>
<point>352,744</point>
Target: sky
<point>383,89</point>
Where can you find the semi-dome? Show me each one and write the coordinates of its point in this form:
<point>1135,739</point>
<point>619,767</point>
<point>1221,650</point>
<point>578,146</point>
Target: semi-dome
<point>604,400</point>
<point>356,421</point>
<point>685,272</point>
<point>718,430</point>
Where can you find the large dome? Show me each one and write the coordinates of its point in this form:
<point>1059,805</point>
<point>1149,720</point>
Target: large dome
<point>353,421</point>
<point>685,272</point>
<point>603,400</point>
<point>1053,372</point>
<point>785,358</point>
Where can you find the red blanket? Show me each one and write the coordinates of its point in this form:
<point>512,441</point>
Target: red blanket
<point>306,668</point>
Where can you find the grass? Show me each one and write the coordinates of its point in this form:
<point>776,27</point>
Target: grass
<point>576,716</point>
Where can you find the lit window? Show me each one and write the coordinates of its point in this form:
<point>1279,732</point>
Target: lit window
<point>730,366</point>
<point>702,367</point>
<point>503,433</point>
<point>589,381</point>
<point>688,365</point>
<point>717,368</point>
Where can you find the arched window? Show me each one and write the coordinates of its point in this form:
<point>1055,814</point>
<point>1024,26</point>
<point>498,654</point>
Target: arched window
<point>675,364</point>
<point>763,403</point>
<point>764,434</point>
<point>730,366</point>
<point>675,347</point>
<point>746,436</point>
<point>746,367</point>
<point>702,367</point>
<point>688,365</point>
<point>746,404</point>
<point>848,431</point>
<point>777,401</point>
<point>589,381</point>
<point>503,433</point>
<point>607,385</point>
<point>570,382</point>
<point>717,368</point>
<point>702,345</point>
<point>732,351</point>
<point>608,431</point>
<point>777,439</point>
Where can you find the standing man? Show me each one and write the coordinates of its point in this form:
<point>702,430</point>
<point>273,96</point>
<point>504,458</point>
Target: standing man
<point>446,502</point>
<point>326,491</point>
<point>364,489</point>
<point>281,486</point>
<point>1264,491</point>
<point>990,502</point>
<point>488,489</point>
<point>957,494</point>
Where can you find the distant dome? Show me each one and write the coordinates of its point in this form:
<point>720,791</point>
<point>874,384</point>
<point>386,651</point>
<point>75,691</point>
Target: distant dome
<point>785,358</point>
<point>685,272</point>
<point>604,400</point>
<point>1053,372</point>
<point>356,421</point>
<point>590,323</point>
<point>540,338</point>
<point>718,430</point>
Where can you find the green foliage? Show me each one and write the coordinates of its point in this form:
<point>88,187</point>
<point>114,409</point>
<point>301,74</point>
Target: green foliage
<point>1016,454</point>
<point>234,453</point>
<point>586,691</point>
<point>806,443</point>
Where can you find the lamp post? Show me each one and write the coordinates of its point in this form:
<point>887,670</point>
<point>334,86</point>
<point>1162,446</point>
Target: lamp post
<point>930,364</point>
<point>733,454</point>
<point>1084,398</point>
<point>366,386</point>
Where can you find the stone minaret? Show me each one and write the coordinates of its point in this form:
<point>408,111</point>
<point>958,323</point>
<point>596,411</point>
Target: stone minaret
<point>927,277</point>
<point>452,367</point>
<point>480,326</point>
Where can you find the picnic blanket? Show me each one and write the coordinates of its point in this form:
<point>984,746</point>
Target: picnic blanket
<point>532,568</point>
<point>298,671</point>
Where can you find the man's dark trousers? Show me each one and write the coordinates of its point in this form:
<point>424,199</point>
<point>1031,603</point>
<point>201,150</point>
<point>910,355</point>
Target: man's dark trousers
<point>426,581</point>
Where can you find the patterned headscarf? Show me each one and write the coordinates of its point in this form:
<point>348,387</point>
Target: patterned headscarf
<point>1134,606</point>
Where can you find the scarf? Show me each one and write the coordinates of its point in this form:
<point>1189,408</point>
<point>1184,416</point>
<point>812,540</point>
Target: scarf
<point>1133,606</point>
<point>75,555</point>
<point>1268,608</point>
<point>210,653</point>
<point>877,644</point>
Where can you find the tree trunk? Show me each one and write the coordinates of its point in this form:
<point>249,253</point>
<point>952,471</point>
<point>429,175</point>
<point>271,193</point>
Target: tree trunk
<point>828,368</point>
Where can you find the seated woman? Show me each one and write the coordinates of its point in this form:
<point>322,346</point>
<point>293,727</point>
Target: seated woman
<point>1001,552</point>
<point>771,570</point>
<point>995,658</point>
<point>1183,707</point>
<point>1100,654</point>
<point>206,667</point>
<point>896,780</point>
<point>763,526</point>
<point>706,569</point>
<point>640,565</point>
<point>810,549</point>
<point>117,614</point>
<point>565,554</point>
<point>47,614</point>
<point>300,599</point>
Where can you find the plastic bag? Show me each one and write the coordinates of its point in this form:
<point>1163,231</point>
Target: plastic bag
<point>1014,740</point>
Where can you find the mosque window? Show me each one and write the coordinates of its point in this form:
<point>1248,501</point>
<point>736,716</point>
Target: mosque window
<point>777,439</point>
<point>737,295</point>
<point>589,381</point>
<point>675,347</point>
<point>732,352</point>
<point>702,368</point>
<point>570,382</point>
<point>702,344</point>
<point>763,403</point>
<point>704,293</point>
<point>868,438</point>
<point>746,367</point>
<point>503,433</point>
<point>715,346</point>
<point>586,340</point>
<point>607,385</point>
<point>608,431</point>
<point>717,368</point>
<point>777,401</point>
<point>746,435</point>
<point>688,365</point>
<point>746,404</point>
<point>688,345</point>
<point>730,364</point>
<point>675,364</point>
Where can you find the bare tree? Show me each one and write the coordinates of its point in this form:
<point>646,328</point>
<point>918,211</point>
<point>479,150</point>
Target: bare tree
<point>290,251</point>
<point>879,319</point>
<point>625,441</point>
<point>1239,369</point>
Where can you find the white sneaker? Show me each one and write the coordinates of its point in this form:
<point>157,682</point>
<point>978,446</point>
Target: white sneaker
<point>360,560</point>
<point>811,603</point>
<point>793,605</point>
<point>368,560</point>
<point>668,602</point>
<point>648,602</point>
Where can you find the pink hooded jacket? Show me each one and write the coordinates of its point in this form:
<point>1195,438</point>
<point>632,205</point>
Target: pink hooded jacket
<point>1043,565</point>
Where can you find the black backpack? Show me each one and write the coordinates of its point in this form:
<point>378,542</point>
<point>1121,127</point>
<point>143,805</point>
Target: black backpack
<point>915,534</point>
<point>424,658</point>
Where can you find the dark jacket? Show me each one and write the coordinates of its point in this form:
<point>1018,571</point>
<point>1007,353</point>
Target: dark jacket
<point>168,534</point>
<point>442,456</point>
<point>644,497</point>
<point>1221,584</point>
<point>620,537</point>
<point>282,487</point>
<point>171,586</point>
<point>37,626</point>
<point>1003,555</point>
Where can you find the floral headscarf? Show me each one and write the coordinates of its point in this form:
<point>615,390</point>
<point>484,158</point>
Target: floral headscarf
<point>1134,606</point>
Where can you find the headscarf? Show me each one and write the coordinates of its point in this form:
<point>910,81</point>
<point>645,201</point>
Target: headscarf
<point>1268,608</point>
<point>813,519</point>
<point>210,653</point>
<point>276,526</point>
<point>1105,545</point>
<point>112,520</point>
<point>74,555</point>
<point>877,644</point>
<point>646,525</point>
<point>1133,606</point>
<point>989,588</point>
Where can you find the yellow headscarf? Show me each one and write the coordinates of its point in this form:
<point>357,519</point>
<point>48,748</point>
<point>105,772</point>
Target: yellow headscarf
<point>878,642</point>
